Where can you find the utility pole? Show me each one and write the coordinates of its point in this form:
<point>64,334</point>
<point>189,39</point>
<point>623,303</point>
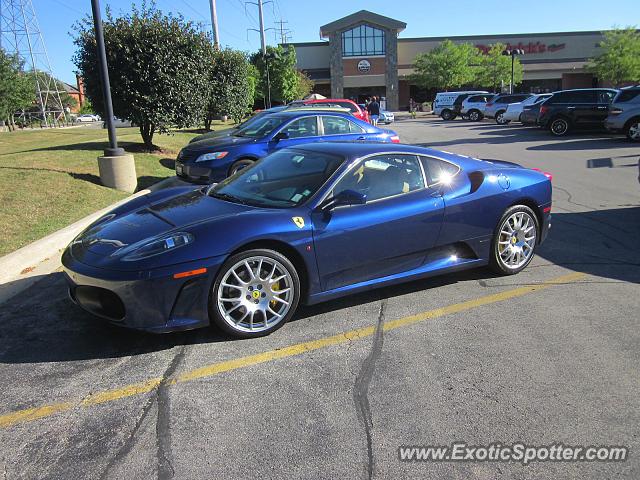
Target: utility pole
<point>263,46</point>
<point>283,31</point>
<point>214,24</point>
<point>261,20</point>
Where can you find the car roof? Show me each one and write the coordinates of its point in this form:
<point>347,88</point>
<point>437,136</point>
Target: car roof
<point>353,150</point>
<point>295,112</point>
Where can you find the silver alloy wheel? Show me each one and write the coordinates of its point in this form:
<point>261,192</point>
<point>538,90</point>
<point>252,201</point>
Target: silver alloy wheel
<point>500,120</point>
<point>559,126</point>
<point>634,131</point>
<point>474,116</point>
<point>255,294</point>
<point>517,240</point>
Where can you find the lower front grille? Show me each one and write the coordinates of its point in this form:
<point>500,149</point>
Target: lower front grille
<point>99,301</point>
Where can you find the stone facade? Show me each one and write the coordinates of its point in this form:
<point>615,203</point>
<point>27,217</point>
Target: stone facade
<point>336,67</point>
<point>391,47</point>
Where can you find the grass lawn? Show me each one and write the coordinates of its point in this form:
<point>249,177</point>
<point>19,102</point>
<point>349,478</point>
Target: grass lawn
<point>49,178</point>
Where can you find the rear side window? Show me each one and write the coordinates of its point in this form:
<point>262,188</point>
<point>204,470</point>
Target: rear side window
<point>628,95</point>
<point>606,96</point>
<point>501,100</point>
<point>437,170</point>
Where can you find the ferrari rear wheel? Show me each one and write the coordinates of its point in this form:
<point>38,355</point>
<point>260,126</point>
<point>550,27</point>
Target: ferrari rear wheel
<point>514,241</point>
<point>255,293</point>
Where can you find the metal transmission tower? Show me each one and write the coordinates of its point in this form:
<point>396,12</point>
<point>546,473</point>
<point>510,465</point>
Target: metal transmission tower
<point>20,34</point>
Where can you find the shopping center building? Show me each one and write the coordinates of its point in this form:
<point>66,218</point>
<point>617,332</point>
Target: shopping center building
<point>363,55</point>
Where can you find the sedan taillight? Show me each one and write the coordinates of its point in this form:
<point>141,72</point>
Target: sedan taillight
<point>543,110</point>
<point>395,139</point>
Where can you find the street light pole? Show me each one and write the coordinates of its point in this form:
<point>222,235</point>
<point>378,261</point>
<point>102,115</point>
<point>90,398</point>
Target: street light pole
<point>117,168</point>
<point>113,149</point>
<point>512,54</point>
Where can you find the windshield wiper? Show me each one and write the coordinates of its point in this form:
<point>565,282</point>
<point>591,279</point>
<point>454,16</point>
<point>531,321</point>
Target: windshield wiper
<point>228,198</point>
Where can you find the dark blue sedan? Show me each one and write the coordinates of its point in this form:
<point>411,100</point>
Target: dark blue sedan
<point>305,224</point>
<point>214,159</point>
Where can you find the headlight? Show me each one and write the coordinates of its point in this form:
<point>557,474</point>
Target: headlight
<point>156,246</point>
<point>211,156</point>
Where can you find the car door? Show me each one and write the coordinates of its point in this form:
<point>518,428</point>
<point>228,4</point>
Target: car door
<point>301,130</point>
<point>342,129</point>
<point>390,234</point>
<point>583,107</point>
<point>605,97</point>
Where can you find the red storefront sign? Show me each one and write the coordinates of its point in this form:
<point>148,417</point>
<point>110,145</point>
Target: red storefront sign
<point>530,47</point>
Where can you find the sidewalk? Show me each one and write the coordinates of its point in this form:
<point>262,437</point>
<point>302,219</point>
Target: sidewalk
<point>27,265</point>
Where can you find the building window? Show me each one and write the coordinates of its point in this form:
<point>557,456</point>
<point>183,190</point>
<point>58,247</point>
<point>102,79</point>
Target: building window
<point>361,41</point>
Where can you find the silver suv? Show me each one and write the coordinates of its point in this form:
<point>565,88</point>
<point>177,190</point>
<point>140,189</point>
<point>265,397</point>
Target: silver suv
<point>496,107</point>
<point>624,113</point>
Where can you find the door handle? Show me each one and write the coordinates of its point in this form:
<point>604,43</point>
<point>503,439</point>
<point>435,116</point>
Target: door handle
<point>361,137</point>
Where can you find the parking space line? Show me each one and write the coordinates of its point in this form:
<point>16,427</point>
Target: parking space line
<point>30,414</point>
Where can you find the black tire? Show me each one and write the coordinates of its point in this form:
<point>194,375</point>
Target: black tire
<point>500,120</point>
<point>215,316</point>
<point>447,115</point>
<point>632,129</point>
<point>475,115</point>
<point>495,262</point>
<point>559,126</point>
<point>240,164</point>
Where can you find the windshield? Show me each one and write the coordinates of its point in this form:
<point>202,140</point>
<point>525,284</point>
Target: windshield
<point>286,178</point>
<point>260,127</point>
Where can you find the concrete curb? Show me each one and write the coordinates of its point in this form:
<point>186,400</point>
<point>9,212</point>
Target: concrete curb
<point>25,266</point>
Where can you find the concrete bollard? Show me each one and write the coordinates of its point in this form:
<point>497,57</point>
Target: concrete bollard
<point>118,172</point>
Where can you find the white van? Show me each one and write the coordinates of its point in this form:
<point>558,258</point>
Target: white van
<point>443,105</point>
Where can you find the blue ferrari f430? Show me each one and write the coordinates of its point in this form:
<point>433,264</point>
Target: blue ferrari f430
<point>305,224</point>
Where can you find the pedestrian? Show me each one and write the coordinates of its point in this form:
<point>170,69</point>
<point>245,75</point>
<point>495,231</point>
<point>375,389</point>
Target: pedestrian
<point>412,108</point>
<point>374,110</point>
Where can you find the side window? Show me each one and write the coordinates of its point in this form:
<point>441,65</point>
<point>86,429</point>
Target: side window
<point>437,170</point>
<point>303,127</point>
<point>348,105</point>
<point>502,100</point>
<point>383,176</point>
<point>584,97</point>
<point>355,128</point>
<point>336,125</point>
<point>605,97</point>
<point>627,95</point>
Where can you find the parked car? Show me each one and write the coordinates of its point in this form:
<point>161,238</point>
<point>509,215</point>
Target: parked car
<point>355,109</point>
<point>443,105</point>
<point>87,118</point>
<point>496,107</point>
<point>529,115</point>
<point>259,114</point>
<point>474,105</point>
<point>514,110</point>
<point>579,108</point>
<point>214,159</point>
<point>386,117</point>
<point>119,123</point>
<point>624,113</point>
<point>306,224</point>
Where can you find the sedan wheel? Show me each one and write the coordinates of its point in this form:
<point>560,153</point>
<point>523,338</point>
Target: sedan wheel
<point>514,242</point>
<point>240,165</point>
<point>559,127</point>
<point>256,292</point>
<point>500,120</point>
<point>633,132</point>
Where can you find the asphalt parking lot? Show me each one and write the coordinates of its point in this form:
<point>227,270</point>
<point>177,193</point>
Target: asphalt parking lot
<point>548,356</point>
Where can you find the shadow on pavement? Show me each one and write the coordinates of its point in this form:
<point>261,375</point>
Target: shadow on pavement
<point>41,324</point>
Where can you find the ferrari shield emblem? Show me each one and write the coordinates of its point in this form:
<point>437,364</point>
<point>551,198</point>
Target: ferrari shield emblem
<point>299,221</point>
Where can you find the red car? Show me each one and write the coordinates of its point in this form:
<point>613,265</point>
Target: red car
<point>356,111</point>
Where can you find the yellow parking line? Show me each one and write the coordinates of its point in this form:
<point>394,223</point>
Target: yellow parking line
<point>29,414</point>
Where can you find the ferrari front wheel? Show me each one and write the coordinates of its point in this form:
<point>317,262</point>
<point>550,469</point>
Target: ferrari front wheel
<point>514,241</point>
<point>255,293</point>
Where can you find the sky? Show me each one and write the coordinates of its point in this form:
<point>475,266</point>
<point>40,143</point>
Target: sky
<point>304,18</point>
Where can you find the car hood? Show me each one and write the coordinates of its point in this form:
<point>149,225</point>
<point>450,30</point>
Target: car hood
<point>211,135</point>
<point>216,143</point>
<point>108,237</point>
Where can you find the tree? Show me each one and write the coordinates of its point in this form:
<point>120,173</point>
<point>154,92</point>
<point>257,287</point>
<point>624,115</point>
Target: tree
<point>619,61</point>
<point>494,69</point>
<point>159,69</point>
<point>305,85</point>
<point>283,74</point>
<point>16,88</point>
<point>449,65</point>
<point>230,93</point>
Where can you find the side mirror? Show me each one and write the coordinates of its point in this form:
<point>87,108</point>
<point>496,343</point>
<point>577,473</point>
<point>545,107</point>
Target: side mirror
<point>345,197</point>
<point>280,136</point>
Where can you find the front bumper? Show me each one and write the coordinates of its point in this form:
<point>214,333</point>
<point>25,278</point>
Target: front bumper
<point>201,173</point>
<point>613,126</point>
<point>152,301</point>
